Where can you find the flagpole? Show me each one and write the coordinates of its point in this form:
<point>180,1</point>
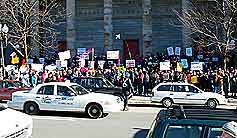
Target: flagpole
<point>129,52</point>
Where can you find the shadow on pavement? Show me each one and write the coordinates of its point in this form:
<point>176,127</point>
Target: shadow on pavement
<point>65,114</point>
<point>141,133</point>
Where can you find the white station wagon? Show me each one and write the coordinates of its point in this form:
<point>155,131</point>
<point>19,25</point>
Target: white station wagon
<point>58,96</point>
<point>185,93</point>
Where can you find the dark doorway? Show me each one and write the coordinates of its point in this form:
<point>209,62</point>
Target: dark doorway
<point>130,49</point>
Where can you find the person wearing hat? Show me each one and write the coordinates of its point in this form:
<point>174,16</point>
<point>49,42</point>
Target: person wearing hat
<point>229,130</point>
<point>126,87</point>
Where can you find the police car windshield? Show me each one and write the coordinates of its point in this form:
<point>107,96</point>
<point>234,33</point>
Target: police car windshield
<point>108,83</point>
<point>79,90</point>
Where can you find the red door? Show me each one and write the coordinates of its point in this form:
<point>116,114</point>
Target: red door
<point>130,49</point>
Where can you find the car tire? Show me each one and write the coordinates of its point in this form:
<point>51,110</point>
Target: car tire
<point>212,103</point>
<point>167,102</point>
<point>94,111</point>
<point>31,108</point>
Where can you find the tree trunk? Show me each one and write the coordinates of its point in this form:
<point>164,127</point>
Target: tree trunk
<point>25,47</point>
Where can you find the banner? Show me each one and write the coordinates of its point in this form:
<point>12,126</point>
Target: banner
<point>189,52</point>
<point>64,55</point>
<point>101,64</point>
<point>37,67</point>
<point>113,54</point>
<point>179,67</point>
<point>184,63</point>
<point>130,63</point>
<point>177,51</point>
<point>170,51</point>
<point>196,66</point>
<point>165,65</point>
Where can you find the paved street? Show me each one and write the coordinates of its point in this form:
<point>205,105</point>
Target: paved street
<point>131,124</point>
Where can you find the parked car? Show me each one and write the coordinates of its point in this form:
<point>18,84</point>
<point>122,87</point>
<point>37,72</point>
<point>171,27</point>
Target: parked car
<point>177,122</point>
<point>100,85</point>
<point>14,124</point>
<point>7,87</point>
<point>185,93</point>
<point>60,96</point>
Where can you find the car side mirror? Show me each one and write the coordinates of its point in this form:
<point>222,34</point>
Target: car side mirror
<point>72,94</point>
<point>90,90</point>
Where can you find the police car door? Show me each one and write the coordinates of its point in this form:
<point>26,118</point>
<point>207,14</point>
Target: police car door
<point>45,97</point>
<point>65,98</point>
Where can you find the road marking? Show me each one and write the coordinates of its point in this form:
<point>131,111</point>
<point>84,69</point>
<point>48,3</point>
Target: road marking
<point>53,118</point>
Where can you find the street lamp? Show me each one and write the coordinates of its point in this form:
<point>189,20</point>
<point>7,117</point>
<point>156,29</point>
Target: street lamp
<point>3,32</point>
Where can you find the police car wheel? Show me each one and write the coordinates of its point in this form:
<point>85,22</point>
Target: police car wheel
<point>167,102</point>
<point>211,103</point>
<point>94,111</point>
<point>31,108</point>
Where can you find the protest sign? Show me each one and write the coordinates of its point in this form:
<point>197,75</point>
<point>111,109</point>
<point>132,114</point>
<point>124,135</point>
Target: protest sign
<point>130,63</point>
<point>37,67</point>
<point>215,59</point>
<point>64,55</point>
<point>113,54</point>
<point>165,65</point>
<point>179,67</point>
<point>41,60</point>
<point>91,65</point>
<point>196,66</point>
<point>189,52</point>
<point>64,64</point>
<point>200,56</point>
<point>58,64</point>
<point>170,51</point>
<point>184,63</point>
<point>51,67</point>
<point>29,61</point>
<point>177,51</point>
<point>101,64</point>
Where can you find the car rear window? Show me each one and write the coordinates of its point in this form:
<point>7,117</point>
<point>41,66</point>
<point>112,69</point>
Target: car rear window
<point>164,88</point>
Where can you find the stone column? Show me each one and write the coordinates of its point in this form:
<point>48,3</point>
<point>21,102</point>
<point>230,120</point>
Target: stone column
<point>147,27</point>
<point>71,32</point>
<point>108,27</point>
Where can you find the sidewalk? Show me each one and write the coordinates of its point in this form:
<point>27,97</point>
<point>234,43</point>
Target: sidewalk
<point>147,101</point>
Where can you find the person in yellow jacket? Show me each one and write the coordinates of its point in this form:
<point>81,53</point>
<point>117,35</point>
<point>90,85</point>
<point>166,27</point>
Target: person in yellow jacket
<point>194,79</point>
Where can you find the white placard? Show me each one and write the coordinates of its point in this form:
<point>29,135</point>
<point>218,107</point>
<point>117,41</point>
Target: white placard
<point>165,65</point>
<point>37,67</point>
<point>130,63</point>
<point>184,63</point>
<point>170,51</point>
<point>113,55</point>
<point>196,65</point>
<point>189,52</point>
<point>51,67</point>
<point>64,55</point>
<point>177,51</point>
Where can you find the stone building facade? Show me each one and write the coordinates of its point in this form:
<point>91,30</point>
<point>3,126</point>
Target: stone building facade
<point>146,26</point>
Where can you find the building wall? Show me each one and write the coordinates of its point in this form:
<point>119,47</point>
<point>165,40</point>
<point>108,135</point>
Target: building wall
<point>127,20</point>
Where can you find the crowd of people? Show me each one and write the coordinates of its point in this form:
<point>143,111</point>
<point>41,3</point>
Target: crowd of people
<point>143,79</point>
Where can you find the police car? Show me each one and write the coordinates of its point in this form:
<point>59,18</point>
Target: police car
<point>14,124</point>
<point>58,96</point>
<point>185,93</point>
